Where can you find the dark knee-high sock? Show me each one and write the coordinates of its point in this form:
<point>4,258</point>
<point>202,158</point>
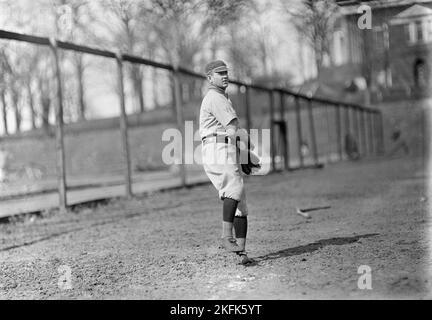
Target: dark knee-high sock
<point>240,228</point>
<point>229,209</point>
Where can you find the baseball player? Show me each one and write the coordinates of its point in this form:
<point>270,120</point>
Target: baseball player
<point>219,129</point>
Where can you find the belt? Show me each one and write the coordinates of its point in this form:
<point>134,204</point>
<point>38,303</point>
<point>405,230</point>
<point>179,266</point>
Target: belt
<point>219,138</point>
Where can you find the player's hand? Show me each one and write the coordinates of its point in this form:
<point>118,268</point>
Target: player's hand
<point>244,139</point>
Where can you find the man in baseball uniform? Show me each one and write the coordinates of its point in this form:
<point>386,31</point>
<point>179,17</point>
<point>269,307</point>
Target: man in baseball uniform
<point>219,127</point>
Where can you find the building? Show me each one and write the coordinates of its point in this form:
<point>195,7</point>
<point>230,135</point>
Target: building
<point>393,57</point>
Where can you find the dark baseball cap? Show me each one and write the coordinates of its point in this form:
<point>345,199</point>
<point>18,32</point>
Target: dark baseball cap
<point>216,66</point>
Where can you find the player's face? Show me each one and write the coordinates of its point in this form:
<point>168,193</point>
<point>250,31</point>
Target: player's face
<point>220,79</point>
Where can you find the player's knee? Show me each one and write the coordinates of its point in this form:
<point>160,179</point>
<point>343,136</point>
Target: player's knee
<point>235,192</point>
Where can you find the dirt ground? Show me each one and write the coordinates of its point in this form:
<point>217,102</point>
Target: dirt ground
<point>165,245</point>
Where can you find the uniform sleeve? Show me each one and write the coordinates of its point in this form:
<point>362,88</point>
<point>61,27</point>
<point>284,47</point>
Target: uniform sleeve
<point>223,111</point>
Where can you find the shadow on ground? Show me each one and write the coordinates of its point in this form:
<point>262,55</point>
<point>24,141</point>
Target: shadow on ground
<point>312,247</point>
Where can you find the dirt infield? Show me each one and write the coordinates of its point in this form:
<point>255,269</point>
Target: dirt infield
<point>165,246</point>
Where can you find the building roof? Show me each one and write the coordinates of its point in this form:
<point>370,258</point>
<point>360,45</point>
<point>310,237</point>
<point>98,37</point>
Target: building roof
<point>412,13</point>
<point>349,7</point>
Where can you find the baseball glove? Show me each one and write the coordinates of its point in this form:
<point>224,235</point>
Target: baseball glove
<point>248,159</point>
<point>247,167</point>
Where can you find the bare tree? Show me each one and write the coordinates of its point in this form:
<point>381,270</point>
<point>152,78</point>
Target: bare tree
<point>220,16</point>
<point>126,33</point>
<point>44,87</point>
<point>5,71</point>
<point>314,21</point>
<point>176,25</point>
<point>26,72</point>
<point>12,80</point>
<point>184,28</point>
<point>72,23</point>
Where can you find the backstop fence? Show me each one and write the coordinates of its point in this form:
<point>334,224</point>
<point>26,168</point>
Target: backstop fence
<point>304,131</point>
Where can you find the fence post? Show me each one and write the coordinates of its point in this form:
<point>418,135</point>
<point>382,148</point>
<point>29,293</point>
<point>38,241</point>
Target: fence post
<point>312,130</point>
<point>347,125</point>
<point>359,130</point>
<point>123,126</point>
<point>364,133</point>
<point>355,127</point>
<point>60,150</point>
<point>381,133</point>
<point>299,130</point>
<point>284,131</point>
<point>375,133</point>
<point>329,138</point>
<point>180,123</point>
<point>272,147</point>
<point>248,116</point>
<point>339,130</point>
<point>371,135</point>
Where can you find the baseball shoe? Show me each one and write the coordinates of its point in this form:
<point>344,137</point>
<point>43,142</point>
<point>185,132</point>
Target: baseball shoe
<point>230,244</point>
<point>245,260</point>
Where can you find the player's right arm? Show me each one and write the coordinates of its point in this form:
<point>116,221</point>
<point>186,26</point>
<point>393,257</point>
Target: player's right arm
<point>226,115</point>
<point>234,130</point>
<point>232,127</point>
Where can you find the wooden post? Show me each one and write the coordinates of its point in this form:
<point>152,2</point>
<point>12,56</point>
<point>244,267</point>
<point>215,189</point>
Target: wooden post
<point>272,146</point>
<point>299,130</point>
<point>371,136</point>
<point>377,130</point>
<point>180,123</point>
<point>364,133</point>
<point>347,125</point>
<point>375,135</point>
<point>123,126</point>
<point>381,134</point>
<point>339,131</point>
<point>284,131</point>
<point>329,141</point>
<point>359,131</point>
<point>355,126</point>
<point>312,130</point>
<point>248,113</point>
<point>60,150</point>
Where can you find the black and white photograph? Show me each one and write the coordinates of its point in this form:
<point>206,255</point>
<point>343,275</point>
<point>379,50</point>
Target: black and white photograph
<point>223,151</point>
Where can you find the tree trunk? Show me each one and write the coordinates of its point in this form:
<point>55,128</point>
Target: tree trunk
<point>264,56</point>
<point>31,105</point>
<point>46,102</point>
<point>318,62</point>
<point>80,78</point>
<point>138,87</point>
<point>173,97</point>
<point>155,78</point>
<point>4,113</point>
<point>213,48</point>
<point>191,90</point>
<point>182,93</point>
<point>17,111</point>
<point>367,66</point>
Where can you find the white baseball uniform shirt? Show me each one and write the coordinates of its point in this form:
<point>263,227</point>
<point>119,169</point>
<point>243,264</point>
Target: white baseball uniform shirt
<point>219,159</point>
